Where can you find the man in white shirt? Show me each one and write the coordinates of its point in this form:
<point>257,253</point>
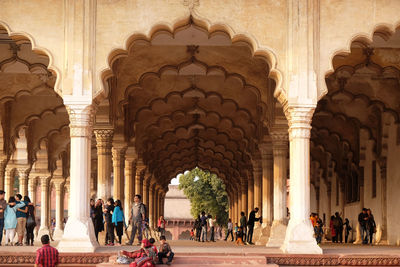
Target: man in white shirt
<point>230,230</point>
<point>211,223</point>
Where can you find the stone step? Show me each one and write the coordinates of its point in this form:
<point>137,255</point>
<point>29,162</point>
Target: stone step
<point>207,261</point>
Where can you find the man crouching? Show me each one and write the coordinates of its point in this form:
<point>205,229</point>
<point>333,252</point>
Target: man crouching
<point>165,251</point>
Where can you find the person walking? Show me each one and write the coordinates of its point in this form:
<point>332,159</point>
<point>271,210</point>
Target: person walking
<point>250,225</point>
<point>347,230</point>
<point>98,218</point>
<point>137,216</point>
<point>362,220</point>
<point>338,224</point>
<point>30,222</point>
<point>229,230</point>
<point>243,225</point>
<point>212,223</point>
<point>161,225</point>
<point>203,219</point>
<point>197,227</point>
<point>3,207</point>
<point>10,219</point>
<point>46,256</point>
<point>118,220</point>
<point>21,219</point>
<point>108,211</point>
<point>371,226</point>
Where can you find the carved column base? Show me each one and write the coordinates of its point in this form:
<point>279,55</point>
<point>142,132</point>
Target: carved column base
<point>58,234</point>
<point>43,231</point>
<point>299,239</point>
<point>78,236</point>
<point>277,235</point>
<point>263,235</point>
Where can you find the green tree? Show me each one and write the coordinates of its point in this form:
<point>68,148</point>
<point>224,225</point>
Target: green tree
<point>206,192</point>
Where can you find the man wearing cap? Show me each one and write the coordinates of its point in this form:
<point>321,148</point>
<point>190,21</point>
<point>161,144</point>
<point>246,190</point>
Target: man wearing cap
<point>3,206</point>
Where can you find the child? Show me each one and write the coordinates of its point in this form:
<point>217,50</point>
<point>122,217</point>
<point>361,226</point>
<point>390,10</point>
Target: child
<point>239,240</point>
<point>191,234</point>
<point>152,241</point>
<point>318,232</point>
<point>236,231</point>
<point>165,251</point>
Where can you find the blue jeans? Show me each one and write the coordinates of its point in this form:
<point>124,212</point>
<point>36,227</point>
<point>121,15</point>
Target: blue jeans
<point>203,233</point>
<point>364,234</point>
<point>1,229</point>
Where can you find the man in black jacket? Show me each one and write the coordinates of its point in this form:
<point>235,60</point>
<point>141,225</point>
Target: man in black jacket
<point>250,225</point>
<point>362,220</point>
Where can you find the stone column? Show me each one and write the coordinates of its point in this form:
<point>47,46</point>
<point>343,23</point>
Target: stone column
<point>79,231</point>
<point>243,185</point>
<point>104,144</point>
<point>258,185</point>
<point>118,156</point>
<point>8,183</point>
<point>146,192</point>
<point>250,194</point>
<point>23,181</point>
<point>239,203</point>
<point>299,234</point>
<point>151,205</point>
<point>2,173</point>
<point>44,206</point>
<point>59,185</point>
<point>32,189</point>
<point>138,177</point>
<point>234,207</point>
<point>156,204</point>
<point>130,164</point>
<point>280,150</point>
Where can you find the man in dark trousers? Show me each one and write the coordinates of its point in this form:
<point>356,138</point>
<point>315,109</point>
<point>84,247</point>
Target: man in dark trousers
<point>338,225</point>
<point>362,220</point>
<point>250,225</point>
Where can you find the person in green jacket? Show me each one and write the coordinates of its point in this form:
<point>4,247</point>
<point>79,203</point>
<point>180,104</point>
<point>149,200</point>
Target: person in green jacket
<point>10,219</point>
<point>243,224</point>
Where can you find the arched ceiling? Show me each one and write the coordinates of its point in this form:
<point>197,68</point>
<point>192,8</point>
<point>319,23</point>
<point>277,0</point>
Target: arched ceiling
<point>364,88</point>
<point>190,99</point>
<point>28,103</point>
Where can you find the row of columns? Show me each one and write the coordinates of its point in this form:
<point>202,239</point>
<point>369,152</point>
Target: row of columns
<point>255,191</point>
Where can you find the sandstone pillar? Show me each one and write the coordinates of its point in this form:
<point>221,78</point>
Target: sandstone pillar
<point>104,144</point>
<point>138,177</point>
<point>23,181</point>
<point>299,234</point>
<point>118,156</point>
<point>151,205</point>
<point>79,232</point>
<point>250,194</point>
<point>130,167</point>
<point>280,150</point>
<point>243,185</point>
<point>44,206</point>
<point>146,184</point>
<point>157,204</point>
<point>59,185</point>
<point>239,205</point>
<point>235,207</point>
<point>8,183</point>
<point>32,189</point>
<point>258,185</point>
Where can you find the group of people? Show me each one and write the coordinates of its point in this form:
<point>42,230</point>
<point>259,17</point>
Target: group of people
<point>337,226</point>
<point>17,216</point>
<point>148,255</point>
<point>243,231</point>
<point>110,217</point>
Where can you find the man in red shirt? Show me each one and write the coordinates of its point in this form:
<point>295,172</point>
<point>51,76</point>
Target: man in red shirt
<point>46,256</point>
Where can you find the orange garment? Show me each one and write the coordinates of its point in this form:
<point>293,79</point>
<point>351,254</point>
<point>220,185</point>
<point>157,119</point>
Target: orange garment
<point>239,241</point>
<point>313,221</point>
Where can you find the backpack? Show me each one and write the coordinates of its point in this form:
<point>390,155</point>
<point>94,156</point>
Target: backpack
<point>145,212</point>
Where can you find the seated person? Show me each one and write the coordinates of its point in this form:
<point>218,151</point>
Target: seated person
<point>165,251</point>
<point>145,256</point>
<point>239,240</point>
<point>152,241</point>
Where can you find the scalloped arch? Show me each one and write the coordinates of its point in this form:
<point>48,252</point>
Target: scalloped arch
<point>382,29</point>
<point>37,49</point>
<point>180,24</point>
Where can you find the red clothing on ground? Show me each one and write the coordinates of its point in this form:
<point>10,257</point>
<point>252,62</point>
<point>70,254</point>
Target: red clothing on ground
<point>47,256</point>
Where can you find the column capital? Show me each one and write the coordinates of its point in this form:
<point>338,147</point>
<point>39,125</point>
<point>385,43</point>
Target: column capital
<point>58,183</point>
<point>299,119</point>
<point>104,135</point>
<point>81,116</point>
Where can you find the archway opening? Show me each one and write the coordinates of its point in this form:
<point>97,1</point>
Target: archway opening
<point>354,138</point>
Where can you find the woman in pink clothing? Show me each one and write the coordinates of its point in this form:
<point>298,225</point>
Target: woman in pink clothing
<point>161,225</point>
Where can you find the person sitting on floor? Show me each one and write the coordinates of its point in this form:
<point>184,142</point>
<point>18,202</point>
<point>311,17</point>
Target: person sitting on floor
<point>165,251</point>
<point>239,240</point>
<point>145,256</point>
<point>152,241</point>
